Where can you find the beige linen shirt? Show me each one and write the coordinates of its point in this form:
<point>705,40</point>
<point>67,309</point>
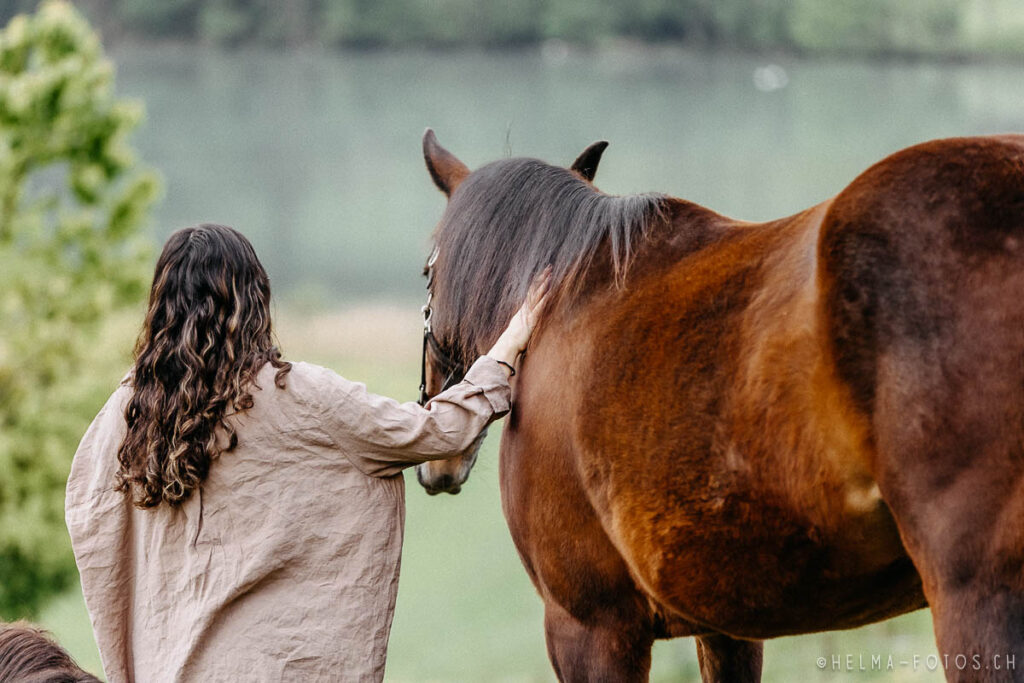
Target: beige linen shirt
<point>284,566</point>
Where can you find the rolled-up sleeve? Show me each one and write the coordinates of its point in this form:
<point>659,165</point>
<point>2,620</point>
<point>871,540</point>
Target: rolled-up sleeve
<point>382,436</point>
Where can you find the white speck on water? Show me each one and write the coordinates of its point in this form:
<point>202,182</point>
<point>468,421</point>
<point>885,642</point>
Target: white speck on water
<point>770,77</point>
<point>554,51</point>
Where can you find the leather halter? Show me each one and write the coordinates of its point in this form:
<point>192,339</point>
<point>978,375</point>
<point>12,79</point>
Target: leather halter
<point>454,368</point>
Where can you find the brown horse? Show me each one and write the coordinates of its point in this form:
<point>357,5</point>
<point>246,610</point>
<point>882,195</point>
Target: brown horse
<point>738,431</point>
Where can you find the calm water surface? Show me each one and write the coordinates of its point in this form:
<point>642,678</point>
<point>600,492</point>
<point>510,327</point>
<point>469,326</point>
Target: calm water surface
<point>317,156</point>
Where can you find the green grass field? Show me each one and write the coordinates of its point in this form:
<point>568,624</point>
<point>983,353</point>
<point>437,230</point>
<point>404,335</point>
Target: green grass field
<point>466,609</point>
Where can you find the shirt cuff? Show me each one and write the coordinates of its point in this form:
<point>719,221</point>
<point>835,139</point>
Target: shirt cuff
<point>487,374</point>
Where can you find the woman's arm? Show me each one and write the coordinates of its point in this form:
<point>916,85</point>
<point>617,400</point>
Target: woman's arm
<point>382,437</point>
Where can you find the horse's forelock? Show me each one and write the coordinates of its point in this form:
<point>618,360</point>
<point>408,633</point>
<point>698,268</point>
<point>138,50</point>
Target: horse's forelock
<point>507,222</point>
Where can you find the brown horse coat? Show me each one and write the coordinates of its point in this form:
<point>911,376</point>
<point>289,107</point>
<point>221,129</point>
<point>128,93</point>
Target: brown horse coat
<point>769,429</point>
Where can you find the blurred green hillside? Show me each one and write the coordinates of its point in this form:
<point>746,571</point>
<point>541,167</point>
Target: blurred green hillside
<point>881,28</point>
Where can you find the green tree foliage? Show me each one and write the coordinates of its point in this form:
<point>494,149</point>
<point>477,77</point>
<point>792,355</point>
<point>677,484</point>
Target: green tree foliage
<point>72,202</point>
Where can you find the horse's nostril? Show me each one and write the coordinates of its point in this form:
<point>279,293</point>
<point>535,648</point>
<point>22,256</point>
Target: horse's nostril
<point>445,483</point>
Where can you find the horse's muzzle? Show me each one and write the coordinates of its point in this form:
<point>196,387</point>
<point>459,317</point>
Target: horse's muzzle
<point>444,483</point>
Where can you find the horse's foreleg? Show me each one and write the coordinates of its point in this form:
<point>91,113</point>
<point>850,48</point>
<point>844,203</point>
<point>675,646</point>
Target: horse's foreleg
<point>727,660</point>
<point>610,651</point>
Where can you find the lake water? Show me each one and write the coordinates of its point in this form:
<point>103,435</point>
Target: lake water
<point>317,156</point>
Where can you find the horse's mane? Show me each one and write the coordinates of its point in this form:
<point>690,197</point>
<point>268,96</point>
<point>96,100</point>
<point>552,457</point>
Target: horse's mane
<point>509,220</point>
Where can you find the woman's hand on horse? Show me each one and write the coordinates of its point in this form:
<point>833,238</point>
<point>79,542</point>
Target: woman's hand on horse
<point>513,340</point>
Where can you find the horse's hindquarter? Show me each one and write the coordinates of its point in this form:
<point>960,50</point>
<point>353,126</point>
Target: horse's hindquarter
<point>923,256</point>
<point>710,441</point>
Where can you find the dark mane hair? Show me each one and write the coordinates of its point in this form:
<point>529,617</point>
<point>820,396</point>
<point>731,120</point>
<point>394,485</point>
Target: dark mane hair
<point>509,220</point>
<point>206,336</point>
<point>29,655</point>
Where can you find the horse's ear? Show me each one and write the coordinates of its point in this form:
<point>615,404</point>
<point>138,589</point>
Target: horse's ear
<point>586,163</point>
<point>445,169</point>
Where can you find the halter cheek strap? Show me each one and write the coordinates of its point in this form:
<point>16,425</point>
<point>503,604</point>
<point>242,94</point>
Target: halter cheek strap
<point>447,362</point>
<point>423,373</point>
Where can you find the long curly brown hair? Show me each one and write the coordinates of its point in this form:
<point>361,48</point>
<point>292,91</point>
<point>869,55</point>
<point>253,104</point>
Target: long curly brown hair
<point>206,336</point>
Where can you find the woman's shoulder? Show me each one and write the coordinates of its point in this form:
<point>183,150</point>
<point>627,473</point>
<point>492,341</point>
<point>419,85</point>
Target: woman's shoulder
<point>301,374</point>
<point>118,401</point>
<point>305,382</point>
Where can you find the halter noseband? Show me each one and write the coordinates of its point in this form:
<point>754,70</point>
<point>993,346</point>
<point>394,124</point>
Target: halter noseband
<point>447,362</point>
